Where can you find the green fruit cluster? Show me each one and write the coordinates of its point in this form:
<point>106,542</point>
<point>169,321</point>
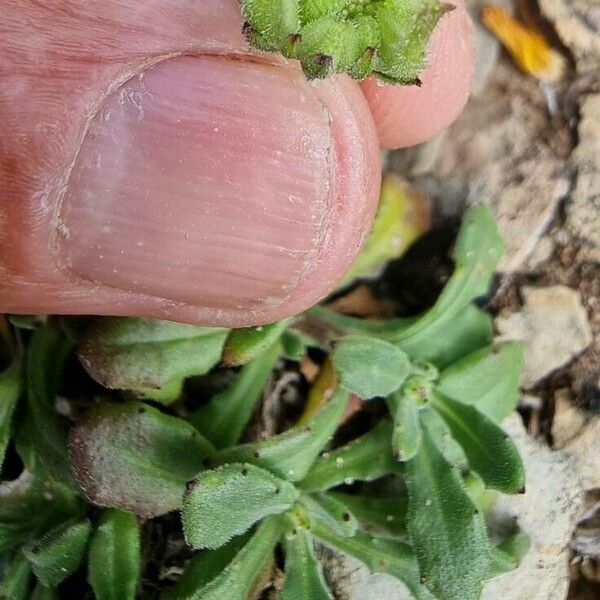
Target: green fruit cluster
<point>387,38</point>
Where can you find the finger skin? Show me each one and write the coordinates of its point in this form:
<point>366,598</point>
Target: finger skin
<point>66,65</point>
<point>405,116</point>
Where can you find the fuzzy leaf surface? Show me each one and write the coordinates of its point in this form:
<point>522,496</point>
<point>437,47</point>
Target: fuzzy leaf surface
<point>490,451</point>
<point>16,579</point>
<point>29,508</point>
<point>224,502</point>
<point>291,454</point>
<point>59,553</point>
<point>244,345</point>
<point>303,576</point>
<point>369,367</point>
<point>223,419</point>
<point>367,458</point>
<point>446,529</point>
<point>10,390</point>
<point>115,556</point>
<point>238,580</point>
<point>487,378</point>
<point>135,458</point>
<point>42,435</point>
<point>381,555</point>
<point>145,355</point>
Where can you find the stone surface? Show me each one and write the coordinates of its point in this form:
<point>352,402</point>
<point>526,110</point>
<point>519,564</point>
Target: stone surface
<point>578,433</point>
<point>583,211</point>
<point>553,326</point>
<point>503,151</point>
<point>577,23</point>
<point>547,513</point>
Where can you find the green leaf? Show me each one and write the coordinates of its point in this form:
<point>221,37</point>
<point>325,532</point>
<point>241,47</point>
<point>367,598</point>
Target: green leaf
<point>10,390</point>
<point>204,567</point>
<point>367,458</point>
<point>369,367</point>
<point>380,555</point>
<point>42,435</point>
<point>402,216</point>
<point>487,378</point>
<point>291,454</point>
<point>41,592</point>
<point>225,502</point>
<point>508,554</point>
<point>133,457</point>
<point>115,556</point>
<point>225,417</point>
<point>382,514</point>
<point>490,451</point>
<point>327,509</point>
<point>27,322</point>
<point>238,580</point>
<point>446,529</point>
<point>59,553</point>
<point>435,335</point>
<point>303,576</point>
<point>145,356</point>
<point>244,345</point>
<point>29,508</point>
<point>406,435</point>
<point>16,580</point>
<point>293,346</point>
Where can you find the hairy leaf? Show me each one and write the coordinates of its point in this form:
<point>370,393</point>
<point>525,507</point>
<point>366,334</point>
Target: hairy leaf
<point>16,579</point>
<point>239,578</point>
<point>204,567</point>
<point>59,553</point>
<point>477,253</point>
<point>489,450</point>
<point>382,514</point>
<point>42,435</point>
<point>303,576</point>
<point>41,592</point>
<point>135,458</point>
<point>509,553</point>
<point>487,378</point>
<point>327,509</point>
<point>369,367</point>
<point>115,556</point>
<point>291,454</point>
<point>224,418</point>
<point>10,390</point>
<point>446,529</point>
<point>366,458</point>
<point>145,356</point>
<point>225,502</point>
<point>406,435</point>
<point>380,555</point>
<point>29,508</point>
<point>244,345</point>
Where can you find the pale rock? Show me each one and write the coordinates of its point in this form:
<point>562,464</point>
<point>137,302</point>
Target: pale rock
<point>547,513</point>
<point>583,211</point>
<point>577,23</point>
<point>553,326</point>
<point>578,433</point>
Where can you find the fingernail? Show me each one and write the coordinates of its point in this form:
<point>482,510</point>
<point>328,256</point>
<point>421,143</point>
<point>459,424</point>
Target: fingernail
<point>206,181</point>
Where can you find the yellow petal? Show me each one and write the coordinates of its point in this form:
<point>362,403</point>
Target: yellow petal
<point>528,48</point>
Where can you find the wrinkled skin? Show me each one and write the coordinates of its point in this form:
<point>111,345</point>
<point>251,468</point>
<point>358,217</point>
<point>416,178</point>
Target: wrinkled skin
<point>152,165</point>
